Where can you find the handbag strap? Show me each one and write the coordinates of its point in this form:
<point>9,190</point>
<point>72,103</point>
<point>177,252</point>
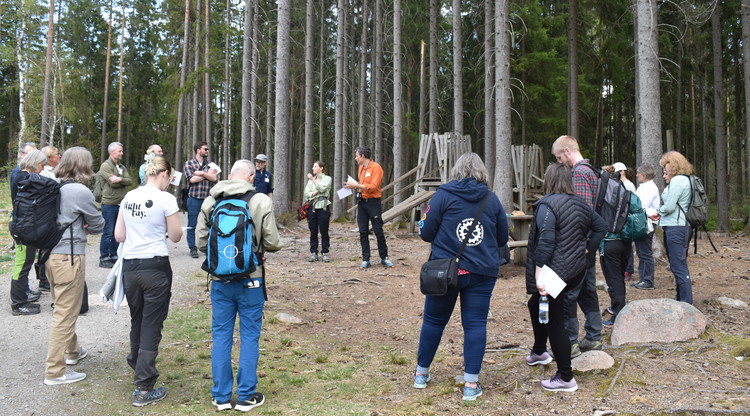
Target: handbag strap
<point>473,224</point>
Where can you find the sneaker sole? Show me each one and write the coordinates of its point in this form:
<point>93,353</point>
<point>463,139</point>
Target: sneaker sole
<point>69,361</point>
<point>136,404</point>
<point>542,362</point>
<point>248,408</point>
<point>222,406</point>
<point>644,288</point>
<point>57,383</point>
<point>566,389</point>
<point>470,398</point>
<point>423,386</point>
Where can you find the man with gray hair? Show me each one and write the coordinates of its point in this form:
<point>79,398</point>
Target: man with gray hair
<point>153,150</point>
<point>115,180</point>
<point>241,296</point>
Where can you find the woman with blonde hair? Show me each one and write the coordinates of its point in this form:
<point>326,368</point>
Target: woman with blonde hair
<point>66,266</point>
<point>671,217</point>
<point>147,215</point>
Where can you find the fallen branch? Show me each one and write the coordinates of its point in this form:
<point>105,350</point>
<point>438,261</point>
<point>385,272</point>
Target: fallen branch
<point>614,380</point>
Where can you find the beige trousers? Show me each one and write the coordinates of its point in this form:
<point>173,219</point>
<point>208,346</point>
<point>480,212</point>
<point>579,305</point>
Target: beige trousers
<point>66,282</point>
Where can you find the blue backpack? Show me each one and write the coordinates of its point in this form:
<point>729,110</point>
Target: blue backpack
<point>229,253</point>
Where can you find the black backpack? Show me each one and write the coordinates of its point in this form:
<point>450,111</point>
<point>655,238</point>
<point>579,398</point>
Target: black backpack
<point>612,200</point>
<point>697,211</point>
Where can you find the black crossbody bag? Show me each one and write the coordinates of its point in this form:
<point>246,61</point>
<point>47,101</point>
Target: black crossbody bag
<point>439,276</point>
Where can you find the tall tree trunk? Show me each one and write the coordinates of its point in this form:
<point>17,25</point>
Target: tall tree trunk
<point>255,62</point>
<point>648,102</point>
<point>398,153</point>
<point>281,146</point>
<point>722,189</point>
<point>207,114</point>
<point>503,176</point>
<point>227,89</point>
<point>308,86</point>
<point>183,78</point>
<point>22,68</point>
<point>338,177</point>
<point>196,68</point>
<point>105,106</point>
<point>247,53</point>
<point>573,69</point>
<point>434,13</point>
<point>363,75</point>
<point>269,107</point>
<point>321,90</point>
<point>458,87</point>
<point>378,86</point>
<point>489,85</point>
<point>121,75</point>
<point>745,11</point>
<point>45,125</point>
<point>422,88</point>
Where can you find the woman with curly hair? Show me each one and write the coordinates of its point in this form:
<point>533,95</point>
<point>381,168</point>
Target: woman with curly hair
<point>673,221</point>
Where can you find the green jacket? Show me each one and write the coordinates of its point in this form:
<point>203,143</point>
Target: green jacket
<point>113,193</point>
<point>322,198</point>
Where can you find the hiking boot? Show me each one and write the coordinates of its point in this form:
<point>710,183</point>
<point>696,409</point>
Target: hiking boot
<point>44,285</point>
<point>472,393</point>
<point>70,376</point>
<point>387,263</point>
<point>421,380</point>
<point>227,405</point>
<point>194,253</point>
<point>326,258</point>
<point>575,351</point>
<point>365,265</point>
<point>643,285</point>
<point>82,353</point>
<point>541,359</point>
<point>313,257</point>
<point>556,383</point>
<point>26,309</point>
<point>106,264</point>
<point>608,323</point>
<point>256,400</point>
<point>33,295</point>
<point>142,398</point>
<point>587,345</point>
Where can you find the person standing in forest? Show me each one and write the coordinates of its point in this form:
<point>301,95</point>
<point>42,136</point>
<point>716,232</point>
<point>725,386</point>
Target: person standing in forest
<point>369,209</point>
<point>585,184</point>
<point>649,194</point>
<point>318,194</point>
<point>115,180</point>
<point>201,178</point>
<point>263,181</point>
<point>153,150</point>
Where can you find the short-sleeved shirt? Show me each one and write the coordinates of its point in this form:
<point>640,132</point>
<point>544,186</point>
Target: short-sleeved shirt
<point>585,181</point>
<point>145,211</point>
<point>200,189</point>
<point>263,181</point>
<point>371,177</point>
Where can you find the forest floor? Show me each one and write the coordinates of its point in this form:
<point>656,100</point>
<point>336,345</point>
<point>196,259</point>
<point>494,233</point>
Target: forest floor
<point>355,350</point>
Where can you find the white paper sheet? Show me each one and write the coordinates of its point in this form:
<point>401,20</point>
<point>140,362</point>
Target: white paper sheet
<point>551,281</point>
<point>176,178</point>
<point>214,166</point>
<point>343,193</point>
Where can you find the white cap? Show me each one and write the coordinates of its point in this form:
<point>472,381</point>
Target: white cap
<point>261,157</point>
<point>619,166</point>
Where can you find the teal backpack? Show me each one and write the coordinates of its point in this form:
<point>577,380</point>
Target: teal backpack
<point>636,225</point>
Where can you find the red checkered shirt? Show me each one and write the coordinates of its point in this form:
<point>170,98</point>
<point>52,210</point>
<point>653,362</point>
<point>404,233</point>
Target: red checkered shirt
<point>197,190</point>
<point>585,181</point>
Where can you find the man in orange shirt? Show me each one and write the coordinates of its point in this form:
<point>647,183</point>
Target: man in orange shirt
<point>368,206</point>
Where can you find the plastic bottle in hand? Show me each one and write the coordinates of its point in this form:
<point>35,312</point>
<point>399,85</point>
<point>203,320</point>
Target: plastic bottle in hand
<point>543,310</point>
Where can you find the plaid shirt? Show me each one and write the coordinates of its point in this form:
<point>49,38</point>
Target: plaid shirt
<point>197,190</point>
<point>585,181</point>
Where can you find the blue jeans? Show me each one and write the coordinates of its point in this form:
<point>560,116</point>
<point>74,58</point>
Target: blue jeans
<point>108,245</point>
<point>475,291</point>
<point>193,209</point>
<point>676,240</point>
<point>645,251</point>
<point>228,300</point>
<point>584,295</point>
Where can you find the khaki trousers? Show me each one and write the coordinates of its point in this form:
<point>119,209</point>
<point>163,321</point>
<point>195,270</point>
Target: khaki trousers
<point>66,282</point>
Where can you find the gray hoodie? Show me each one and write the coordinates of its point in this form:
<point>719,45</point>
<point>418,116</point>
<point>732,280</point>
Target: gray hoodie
<point>77,200</point>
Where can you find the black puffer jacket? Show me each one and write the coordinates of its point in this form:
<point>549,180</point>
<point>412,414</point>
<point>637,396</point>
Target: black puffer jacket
<point>577,229</point>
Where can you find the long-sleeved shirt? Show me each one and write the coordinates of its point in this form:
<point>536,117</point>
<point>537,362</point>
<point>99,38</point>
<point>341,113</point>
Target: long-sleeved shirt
<point>676,193</point>
<point>113,193</point>
<point>585,181</point>
<point>323,189</point>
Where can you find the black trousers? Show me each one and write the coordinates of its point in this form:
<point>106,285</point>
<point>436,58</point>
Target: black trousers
<point>18,285</point>
<point>370,211</point>
<point>319,220</point>
<point>148,288</point>
<point>614,262</point>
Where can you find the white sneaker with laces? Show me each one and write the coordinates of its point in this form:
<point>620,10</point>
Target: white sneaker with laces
<point>82,353</point>
<point>70,376</point>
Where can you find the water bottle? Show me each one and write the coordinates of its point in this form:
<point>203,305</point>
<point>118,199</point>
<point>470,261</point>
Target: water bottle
<point>543,310</point>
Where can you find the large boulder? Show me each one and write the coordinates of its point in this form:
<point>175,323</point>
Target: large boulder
<point>657,320</point>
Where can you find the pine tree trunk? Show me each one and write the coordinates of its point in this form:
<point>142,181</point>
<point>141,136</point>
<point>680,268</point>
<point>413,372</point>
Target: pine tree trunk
<point>183,78</point>
<point>321,90</point>
<point>458,88</point>
<point>722,189</point>
<point>503,176</point>
<point>308,160</point>
<point>281,146</point>
<point>433,111</point>
<point>247,53</point>
<point>45,125</point>
<point>745,11</point>
<point>363,76</point>
<point>378,86</point>
<point>196,84</point>
<point>398,152</point>
<point>338,177</point>
<point>255,61</point>
<point>207,113</point>
<point>573,69</point>
<point>22,68</point>
<point>227,96</point>
<point>489,85</point>
<point>122,73</point>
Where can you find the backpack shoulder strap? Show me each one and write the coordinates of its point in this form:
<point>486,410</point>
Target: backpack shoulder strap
<point>588,165</point>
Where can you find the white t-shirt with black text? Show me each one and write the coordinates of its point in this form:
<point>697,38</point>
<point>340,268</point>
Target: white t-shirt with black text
<point>145,211</point>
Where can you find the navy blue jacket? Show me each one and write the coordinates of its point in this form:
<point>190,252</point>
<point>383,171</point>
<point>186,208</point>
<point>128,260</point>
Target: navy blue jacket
<point>448,217</point>
<point>263,182</point>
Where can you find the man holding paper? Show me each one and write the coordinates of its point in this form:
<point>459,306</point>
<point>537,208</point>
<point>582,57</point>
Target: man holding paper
<point>369,210</point>
<point>563,239</point>
<point>201,178</point>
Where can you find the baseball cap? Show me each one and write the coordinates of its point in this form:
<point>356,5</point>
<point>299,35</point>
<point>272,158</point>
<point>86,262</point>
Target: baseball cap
<point>619,166</point>
<point>261,157</point>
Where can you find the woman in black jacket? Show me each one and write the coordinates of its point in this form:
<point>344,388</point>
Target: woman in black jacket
<point>564,236</point>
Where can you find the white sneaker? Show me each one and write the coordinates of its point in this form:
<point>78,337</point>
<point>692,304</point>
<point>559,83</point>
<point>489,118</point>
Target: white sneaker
<point>69,377</point>
<point>82,353</point>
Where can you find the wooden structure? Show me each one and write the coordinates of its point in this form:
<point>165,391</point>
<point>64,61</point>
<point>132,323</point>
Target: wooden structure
<point>528,174</point>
